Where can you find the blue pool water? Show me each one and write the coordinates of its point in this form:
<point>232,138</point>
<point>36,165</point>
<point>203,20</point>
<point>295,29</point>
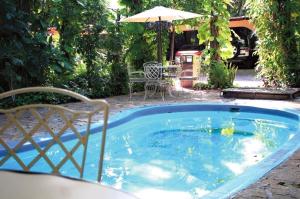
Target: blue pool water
<point>183,151</point>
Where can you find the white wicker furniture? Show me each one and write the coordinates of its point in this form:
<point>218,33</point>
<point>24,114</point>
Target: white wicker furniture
<point>154,79</point>
<point>24,126</point>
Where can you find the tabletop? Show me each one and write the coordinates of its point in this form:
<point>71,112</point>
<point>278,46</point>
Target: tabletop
<point>20,185</point>
<point>170,71</point>
<point>170,67</point>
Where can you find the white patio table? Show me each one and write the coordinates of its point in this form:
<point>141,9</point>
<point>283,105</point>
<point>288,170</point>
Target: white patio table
<point>171,72</point>
<point>20,185</point>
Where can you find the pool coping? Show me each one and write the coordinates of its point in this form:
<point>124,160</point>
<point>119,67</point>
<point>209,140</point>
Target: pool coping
<point>261,93</point>
<point>256,172</point>
<point>240,182</point>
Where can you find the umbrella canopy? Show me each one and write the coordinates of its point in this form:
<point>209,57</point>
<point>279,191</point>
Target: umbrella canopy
<point>160,13</point>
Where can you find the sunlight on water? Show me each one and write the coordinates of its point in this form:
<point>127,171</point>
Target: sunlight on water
<point>253,151</point>
<point>180,155</point>
<point>189,154</point>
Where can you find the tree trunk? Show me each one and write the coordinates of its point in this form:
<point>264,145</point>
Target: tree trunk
<point>214,33</point>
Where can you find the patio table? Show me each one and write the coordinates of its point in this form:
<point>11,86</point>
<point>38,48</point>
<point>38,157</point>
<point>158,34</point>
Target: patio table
<point>171,72</point>
<point>21,185</point>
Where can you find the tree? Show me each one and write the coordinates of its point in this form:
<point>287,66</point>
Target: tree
<point>238,8</point>
<point>90,41</point>
<point>141,43</point>
<point>115,56</point>
<point>277,25</point>
<point>25,54</point>
<point>46,42</point>
<point>216,34</point>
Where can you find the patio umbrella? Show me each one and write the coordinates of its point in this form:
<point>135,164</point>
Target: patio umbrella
<point>159,14</point>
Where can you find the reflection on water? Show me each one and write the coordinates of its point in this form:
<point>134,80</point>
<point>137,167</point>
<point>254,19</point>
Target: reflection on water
<point>187,155</point>
<point>180,155</point>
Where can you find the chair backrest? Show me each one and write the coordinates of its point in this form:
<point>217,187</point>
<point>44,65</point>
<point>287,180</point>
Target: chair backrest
<point>153,71</point>
<point>52,136</point>
<point>136,76</point>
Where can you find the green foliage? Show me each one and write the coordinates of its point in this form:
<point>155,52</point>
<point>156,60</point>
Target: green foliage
<point>215,33</point>
<point>221,75</point>
<point>140,42</point>
<point>34,98</point>
<point>83,53</point>
<point>277,25</point>
<point>116,58</point>
<point>195,6</point>
<point>217,70</point>
<point>215,29</point>
<point>25,53</point>
<point>90,42</point>
<point>238,8</point>
<point>201,86</point>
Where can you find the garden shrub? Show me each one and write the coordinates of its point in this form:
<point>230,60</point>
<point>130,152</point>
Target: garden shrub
<point>215,33</point>
<point>201,86</point>
<point>34,98</point>
<point>277,25</point>
<point>221,75</point>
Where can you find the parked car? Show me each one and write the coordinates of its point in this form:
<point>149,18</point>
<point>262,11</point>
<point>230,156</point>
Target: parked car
<point>243,40</point>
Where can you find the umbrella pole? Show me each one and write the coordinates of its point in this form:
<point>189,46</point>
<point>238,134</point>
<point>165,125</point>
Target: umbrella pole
<point>172,43</point>
<point>159,42</point>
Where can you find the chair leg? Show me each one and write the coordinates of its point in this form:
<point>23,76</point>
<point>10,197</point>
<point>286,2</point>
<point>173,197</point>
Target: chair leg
<point>130,90</point>
<point>145,96</point>
<point>169,88</point>
<point>163,91</point>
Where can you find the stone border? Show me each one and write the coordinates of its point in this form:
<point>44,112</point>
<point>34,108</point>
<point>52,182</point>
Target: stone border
<point>261,93</point>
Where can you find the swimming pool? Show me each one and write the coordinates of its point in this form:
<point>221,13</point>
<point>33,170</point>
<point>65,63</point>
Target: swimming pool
<point>190,150</point>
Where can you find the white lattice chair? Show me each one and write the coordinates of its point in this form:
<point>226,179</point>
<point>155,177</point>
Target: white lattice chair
<point>30,125</point>
<point>154,79</point>
<point>135,77</point>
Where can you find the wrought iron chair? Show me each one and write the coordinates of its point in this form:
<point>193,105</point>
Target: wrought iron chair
<point>135,77</point>
<point>35,128</point>
<point>154,79</point>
